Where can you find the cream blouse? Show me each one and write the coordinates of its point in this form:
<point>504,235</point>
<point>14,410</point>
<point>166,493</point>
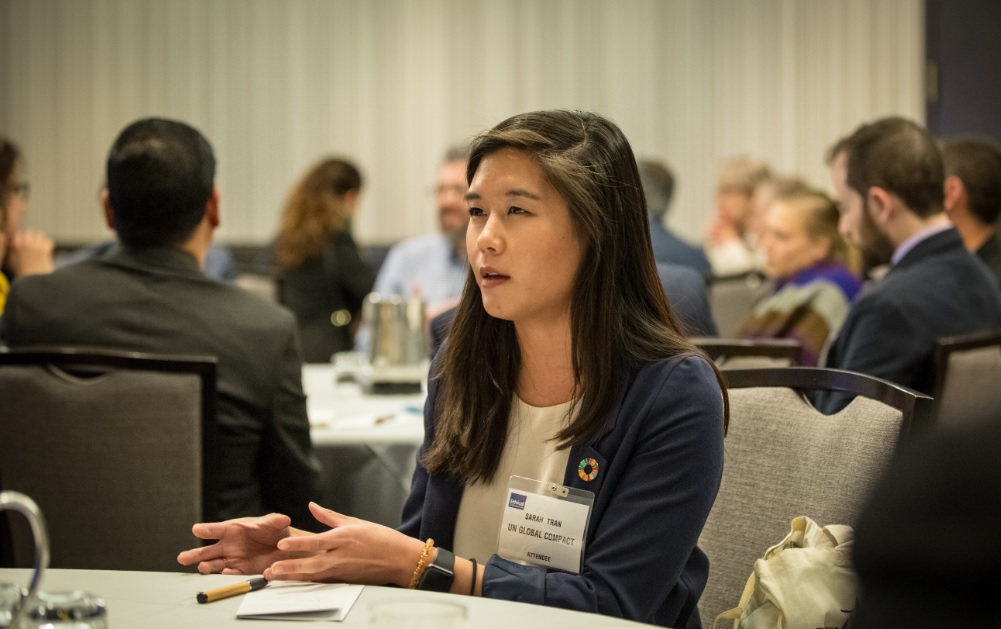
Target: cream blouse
<point>529,452</point>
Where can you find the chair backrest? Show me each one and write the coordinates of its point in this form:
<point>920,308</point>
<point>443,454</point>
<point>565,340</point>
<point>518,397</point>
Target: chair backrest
<point>967,378</point>
<point>750,353</point>
<point>118,450</point>
<point>732,297</point>
<point>783,458</point>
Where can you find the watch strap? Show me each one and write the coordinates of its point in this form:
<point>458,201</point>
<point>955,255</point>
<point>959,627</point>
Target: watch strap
<point>439,574</point>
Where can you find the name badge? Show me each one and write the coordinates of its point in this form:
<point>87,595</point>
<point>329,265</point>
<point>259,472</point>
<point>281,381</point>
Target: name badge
<point>545,524</point>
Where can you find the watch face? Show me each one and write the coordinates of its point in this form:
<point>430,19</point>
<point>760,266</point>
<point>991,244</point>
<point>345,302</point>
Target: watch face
<point>439,574</point>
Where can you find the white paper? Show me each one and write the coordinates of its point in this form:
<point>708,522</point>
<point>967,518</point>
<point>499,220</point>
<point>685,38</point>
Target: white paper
<point>299,600</point>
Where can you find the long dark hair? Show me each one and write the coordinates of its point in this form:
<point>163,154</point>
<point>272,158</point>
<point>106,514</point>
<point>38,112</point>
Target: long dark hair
<point>10,156</point>
<point>619,316</point>
<point>316,211</point>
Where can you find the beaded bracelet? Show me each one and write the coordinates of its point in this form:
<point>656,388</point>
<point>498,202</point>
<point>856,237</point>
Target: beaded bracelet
<point>421,564</point>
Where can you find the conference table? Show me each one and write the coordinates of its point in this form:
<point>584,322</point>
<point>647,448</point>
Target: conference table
<point>366,444</point>
<point>164,600</point>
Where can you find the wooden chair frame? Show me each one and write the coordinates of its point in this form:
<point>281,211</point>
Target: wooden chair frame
<point>780,349</point>
<point>916,408</point>
<point>946,346</point>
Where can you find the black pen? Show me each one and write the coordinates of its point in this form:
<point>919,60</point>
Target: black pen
<point>232,590</point>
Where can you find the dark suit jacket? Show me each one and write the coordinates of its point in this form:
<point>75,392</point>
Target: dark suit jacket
<point>688,296</point>
<point>937,289</point>
<point>990,254</point>
<point>660,460</point>
<point>158,300</point>
<point>337,280</point>
<point>670,249</point>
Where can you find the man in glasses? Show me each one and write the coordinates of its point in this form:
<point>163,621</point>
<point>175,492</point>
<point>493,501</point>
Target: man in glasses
<point>433,267</point>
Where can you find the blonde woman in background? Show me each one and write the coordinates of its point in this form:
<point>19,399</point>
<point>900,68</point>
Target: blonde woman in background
<point>815,273</point>
<point>731,242</point>
<point>321,276</point>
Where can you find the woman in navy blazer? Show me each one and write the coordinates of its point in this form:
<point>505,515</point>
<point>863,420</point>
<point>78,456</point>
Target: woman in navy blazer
<point>562,309</point>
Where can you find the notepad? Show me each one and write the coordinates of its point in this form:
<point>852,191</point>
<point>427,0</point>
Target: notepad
<point>299,600</point>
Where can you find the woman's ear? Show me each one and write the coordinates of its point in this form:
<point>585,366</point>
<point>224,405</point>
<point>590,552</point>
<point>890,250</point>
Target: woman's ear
<point>351,200</point>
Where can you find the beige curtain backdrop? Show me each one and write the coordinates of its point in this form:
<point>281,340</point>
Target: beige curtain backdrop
<point>276,84</point>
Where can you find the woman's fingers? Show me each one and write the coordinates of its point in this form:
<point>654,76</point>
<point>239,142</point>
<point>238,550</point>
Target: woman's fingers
<point>209,530</point>
<point>293,576</point>
<point>327,516</point>
<point>196,555</point>
<point>216,530</point>
<point>212,566</point>
<point>276,521</point>
<point>304,569</point>
<point>310,543</point>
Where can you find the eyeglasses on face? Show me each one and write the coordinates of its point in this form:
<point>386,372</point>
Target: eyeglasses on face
<point>454,190</point>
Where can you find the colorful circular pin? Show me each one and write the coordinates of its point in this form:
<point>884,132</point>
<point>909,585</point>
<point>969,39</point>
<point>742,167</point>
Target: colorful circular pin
<point>582,469</point>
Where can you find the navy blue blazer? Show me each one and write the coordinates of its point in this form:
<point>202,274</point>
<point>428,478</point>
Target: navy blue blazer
<point>937,289</point>
<point>688,296</point>
<point>660,460</point>
<point>670,249</point>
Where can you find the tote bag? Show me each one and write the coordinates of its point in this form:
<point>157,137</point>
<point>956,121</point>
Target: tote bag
<point>805,581</point>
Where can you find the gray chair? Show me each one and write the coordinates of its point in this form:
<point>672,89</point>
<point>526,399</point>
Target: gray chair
<point>732,298</point>
<point>751,353</point>
<point>116,448</point>
<point>783,458</point>
<point>967,379</point>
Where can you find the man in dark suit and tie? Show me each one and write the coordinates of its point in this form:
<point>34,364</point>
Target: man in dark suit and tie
<point>888,176</point>
<point>150,295</point>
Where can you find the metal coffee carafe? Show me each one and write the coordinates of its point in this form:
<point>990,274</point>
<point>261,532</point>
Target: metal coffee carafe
<point>397,358</point>
<point>30,608</point>
<point>16,600</point>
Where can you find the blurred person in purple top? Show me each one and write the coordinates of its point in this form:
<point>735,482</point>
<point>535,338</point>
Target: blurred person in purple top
<point>811,265</point>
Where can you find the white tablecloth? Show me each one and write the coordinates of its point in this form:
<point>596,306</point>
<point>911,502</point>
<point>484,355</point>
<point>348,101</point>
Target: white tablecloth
<point>163,600</point>
<point>341,414</point>
<point>366,444</point>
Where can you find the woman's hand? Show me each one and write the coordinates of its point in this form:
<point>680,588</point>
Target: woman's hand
<point>721,230</point>
<point>352,551</point>
<point>31,253</point>
<point>244,546</point>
